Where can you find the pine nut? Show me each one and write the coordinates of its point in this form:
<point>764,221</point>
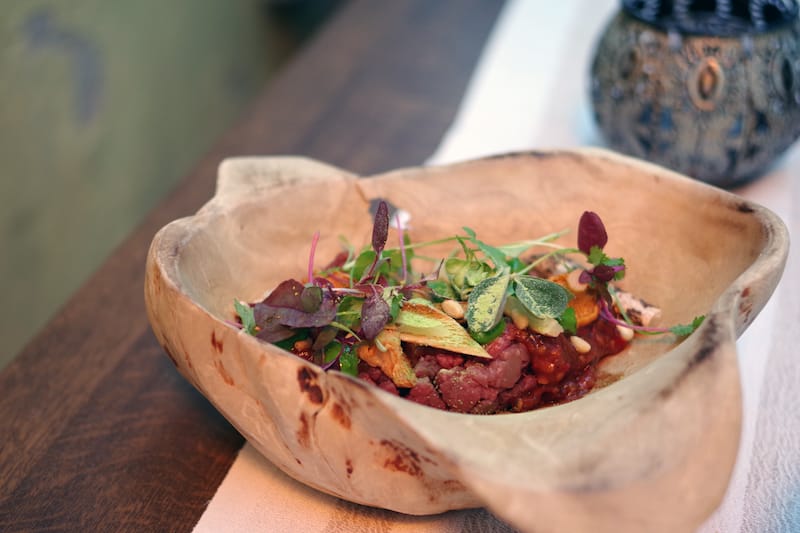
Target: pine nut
<point>580,345</point>
<point>453,309</point>
<point>574,283</point>
<point>625,332</point>
<point>519,320</point>
<point>302,345</point>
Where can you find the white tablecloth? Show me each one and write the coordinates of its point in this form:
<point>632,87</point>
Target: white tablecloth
<point>530,91</point>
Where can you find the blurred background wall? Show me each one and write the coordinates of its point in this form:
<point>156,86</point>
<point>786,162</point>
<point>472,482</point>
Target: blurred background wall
<point>105,105</point>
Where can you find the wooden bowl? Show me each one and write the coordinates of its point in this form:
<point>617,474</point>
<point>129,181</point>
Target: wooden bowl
<point>652,449</point>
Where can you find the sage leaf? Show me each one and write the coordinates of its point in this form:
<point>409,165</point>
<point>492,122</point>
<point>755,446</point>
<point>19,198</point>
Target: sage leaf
<point>541,297</point>
<point>486,302</point>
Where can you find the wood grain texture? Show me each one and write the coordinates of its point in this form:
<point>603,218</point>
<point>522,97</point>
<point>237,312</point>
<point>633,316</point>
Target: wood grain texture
<point>97,429</point>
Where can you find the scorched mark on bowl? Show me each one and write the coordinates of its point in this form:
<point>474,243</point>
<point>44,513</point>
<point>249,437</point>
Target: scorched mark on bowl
<point>404,459</point>
<point>746,305</point>
<point>341,415</point>
<point>226,377</point>
<point>215,342</point>
<point>308,384</point>
<point>304,434</point>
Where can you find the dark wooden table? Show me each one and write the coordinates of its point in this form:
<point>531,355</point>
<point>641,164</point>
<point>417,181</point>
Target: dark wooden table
<point>97,429</point>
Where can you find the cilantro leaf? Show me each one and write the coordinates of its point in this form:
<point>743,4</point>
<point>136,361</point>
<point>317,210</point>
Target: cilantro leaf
<point>683,330</point>
<point>348,361</point>
<point>596,255</point>
<point>245,313</point>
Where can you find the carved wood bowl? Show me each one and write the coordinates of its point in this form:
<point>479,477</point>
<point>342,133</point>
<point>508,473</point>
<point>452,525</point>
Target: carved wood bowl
<point>652,448</point>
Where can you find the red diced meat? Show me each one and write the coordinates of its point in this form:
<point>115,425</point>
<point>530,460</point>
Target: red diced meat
<point>427,366</point>
<point>448,360</point>
<point>460,389</point>
<point>426,394</point>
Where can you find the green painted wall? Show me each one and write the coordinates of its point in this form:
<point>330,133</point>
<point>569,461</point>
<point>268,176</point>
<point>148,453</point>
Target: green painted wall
<point>105,105</point>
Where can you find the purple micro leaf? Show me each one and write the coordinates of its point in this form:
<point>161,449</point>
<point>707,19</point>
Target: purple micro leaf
<point>269,327</point>
<point>295,305</point>
<point>311,299</point>
<point>375,312</point>
<point>299,319</point>
<point>323,283</point>
<point>314,241</point>
<point>380,229</point>
<point>603,273</point>
<point>591,232</point>
<point>585,277</point>
<point>275,334</point>
<point>324,337</point>
<point>286,294</point>
<point>380,232</point>
<point>338,261</point>
<point>402,246</point>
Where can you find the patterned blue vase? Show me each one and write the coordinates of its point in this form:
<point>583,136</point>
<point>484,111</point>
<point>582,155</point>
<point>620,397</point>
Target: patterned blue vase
<point>710,88</point>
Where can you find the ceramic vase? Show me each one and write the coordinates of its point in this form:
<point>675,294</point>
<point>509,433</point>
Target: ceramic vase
<point>710,88</point>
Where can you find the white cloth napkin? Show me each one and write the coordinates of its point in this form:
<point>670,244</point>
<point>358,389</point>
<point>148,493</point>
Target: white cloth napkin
<point>530,91</point>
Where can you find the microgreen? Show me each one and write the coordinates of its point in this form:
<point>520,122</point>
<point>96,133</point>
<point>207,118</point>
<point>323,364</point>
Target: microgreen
<point>314,242</point>
<point>569,321</point>
<point>679,330</point>
<point>361,264</point>
<point>403,253</point>
<point>348,361</point>
<point>245,313</point>
<point>497,256</point>
<point>383,290</point>
<point>331,352</point>
<point>441,290</point>
<point>591,232</point>
<point>380,232</point>
<point>375,312</point>
<point>380,229</point>
<point>592,237</point>
<point>683,330</point>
